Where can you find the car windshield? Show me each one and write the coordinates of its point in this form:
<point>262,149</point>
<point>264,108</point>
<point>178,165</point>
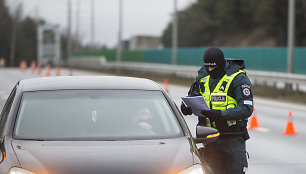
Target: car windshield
<point>95,115</point>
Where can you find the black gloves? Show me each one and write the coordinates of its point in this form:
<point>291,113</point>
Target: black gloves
<point>213,115</point>
<point>185,110</point>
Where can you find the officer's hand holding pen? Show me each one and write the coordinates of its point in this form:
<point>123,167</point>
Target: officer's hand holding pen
<point>216,117</point>
<point>213,115</point>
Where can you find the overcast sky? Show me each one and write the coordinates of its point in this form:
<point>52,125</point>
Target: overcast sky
<point>141,17</point>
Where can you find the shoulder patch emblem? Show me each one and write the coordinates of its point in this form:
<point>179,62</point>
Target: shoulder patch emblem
<point>246,90</point>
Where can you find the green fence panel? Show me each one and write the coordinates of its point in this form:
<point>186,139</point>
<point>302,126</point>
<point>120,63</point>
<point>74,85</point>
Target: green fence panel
<point>265,59</point>
<point>299,60</point>
<point>185,56</point>
<point>110,55</point>
<point>133,56</point>
<point>158,56</point>
<point>251,57</point>
<point>274,59</point>
<point>256,58</point>
<point>190,56</point>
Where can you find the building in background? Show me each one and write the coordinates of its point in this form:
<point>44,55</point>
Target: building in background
<point>144,42</point>
<point>126,44</point>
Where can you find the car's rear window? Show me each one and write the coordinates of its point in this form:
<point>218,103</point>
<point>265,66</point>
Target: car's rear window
<point>95,115</point>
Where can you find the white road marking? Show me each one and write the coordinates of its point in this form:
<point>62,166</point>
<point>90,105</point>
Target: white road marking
<point>262,129</point>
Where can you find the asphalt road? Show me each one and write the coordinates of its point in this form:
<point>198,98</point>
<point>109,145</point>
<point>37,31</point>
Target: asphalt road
<point>270,151</point>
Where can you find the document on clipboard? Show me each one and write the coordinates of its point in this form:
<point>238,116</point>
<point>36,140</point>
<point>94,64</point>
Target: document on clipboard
<point>196,103</point>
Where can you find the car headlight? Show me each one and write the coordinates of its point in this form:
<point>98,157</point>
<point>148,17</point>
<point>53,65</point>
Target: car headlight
<point>16,170</point>
<point>195,169</point>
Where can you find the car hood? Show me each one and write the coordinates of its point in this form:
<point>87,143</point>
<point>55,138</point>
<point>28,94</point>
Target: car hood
<point>78,157</point>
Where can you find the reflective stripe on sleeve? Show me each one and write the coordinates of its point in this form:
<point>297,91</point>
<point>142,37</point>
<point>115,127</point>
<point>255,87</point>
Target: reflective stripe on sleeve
<point>248,102</point>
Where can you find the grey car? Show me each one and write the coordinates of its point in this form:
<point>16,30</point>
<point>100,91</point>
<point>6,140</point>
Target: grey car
<point>94,125</point>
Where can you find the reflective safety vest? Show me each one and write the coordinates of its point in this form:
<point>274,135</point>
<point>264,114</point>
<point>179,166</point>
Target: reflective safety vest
<point>219,99</point>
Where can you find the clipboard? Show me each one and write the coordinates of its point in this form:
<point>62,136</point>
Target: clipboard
<point>197,104</point>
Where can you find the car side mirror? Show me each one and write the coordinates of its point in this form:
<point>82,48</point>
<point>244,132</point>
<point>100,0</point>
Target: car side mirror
<point>206,134</point>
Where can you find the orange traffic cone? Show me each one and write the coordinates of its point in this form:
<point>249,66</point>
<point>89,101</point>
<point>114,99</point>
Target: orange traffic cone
<point>57,72</point>
<point>48,73</point>
<point>290,128</point>
<point>39,70</point>
<point>166,86</point>
<point>254,123</point>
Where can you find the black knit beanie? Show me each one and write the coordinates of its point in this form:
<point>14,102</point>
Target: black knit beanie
<point>213,56</point>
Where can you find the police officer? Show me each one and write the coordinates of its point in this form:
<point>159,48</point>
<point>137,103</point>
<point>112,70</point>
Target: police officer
<point>228,91</point>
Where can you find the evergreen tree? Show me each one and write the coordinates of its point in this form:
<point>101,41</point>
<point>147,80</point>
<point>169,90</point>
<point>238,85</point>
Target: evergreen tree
<point>237,23</point>
<point>5,30</point>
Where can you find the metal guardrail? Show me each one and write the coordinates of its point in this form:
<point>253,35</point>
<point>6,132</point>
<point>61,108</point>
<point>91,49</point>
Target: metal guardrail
<point>276,79</point>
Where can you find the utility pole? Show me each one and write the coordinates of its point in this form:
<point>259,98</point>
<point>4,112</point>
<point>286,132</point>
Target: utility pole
<point>174,34</point>
<point>68,29</point>
<point>77,25</point>
<point>119,46</point>
<point>290,40</point>
<point>36,13</point>
<point>92,24</point>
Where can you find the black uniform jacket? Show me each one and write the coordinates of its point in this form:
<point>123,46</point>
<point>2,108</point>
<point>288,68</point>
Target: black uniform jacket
<point>240,89</point>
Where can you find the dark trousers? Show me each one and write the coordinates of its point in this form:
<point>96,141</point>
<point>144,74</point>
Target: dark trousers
<point>227,155</point>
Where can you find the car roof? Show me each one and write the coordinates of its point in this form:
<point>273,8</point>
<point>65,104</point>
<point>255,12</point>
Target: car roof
<point>87,82</point>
